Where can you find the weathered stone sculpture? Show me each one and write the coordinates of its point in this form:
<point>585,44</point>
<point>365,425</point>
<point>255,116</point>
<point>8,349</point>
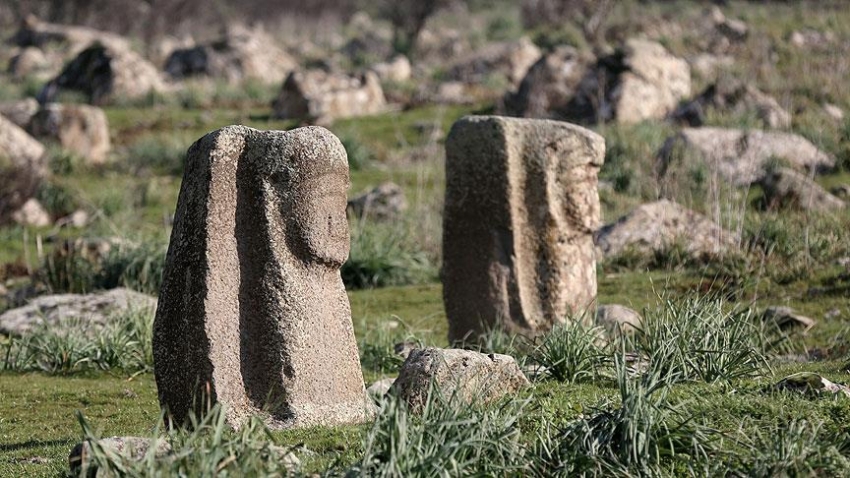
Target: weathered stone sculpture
<point>253,313</point>
<point>521,208</point>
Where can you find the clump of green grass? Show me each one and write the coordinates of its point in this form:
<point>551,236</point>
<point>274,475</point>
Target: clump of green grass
<point>798,448</point>
<point>359,155</point>
<point>207,448</point>
<point>704,338</point>
<point>383,255</point>
<point>572,352</point>
<point>136,266</point>
<point>497,340</point>
<point>124,344</point>
<point>57,200</point>
<point>378,353</point>
<point>447,439</point>
<point>639,436</point>
<point>162,155</point>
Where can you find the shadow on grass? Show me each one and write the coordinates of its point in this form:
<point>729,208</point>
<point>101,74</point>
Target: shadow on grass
<point>7,447</point>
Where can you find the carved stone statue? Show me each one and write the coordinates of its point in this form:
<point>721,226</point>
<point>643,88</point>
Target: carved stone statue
<point>253,313</point>
<point>521,207</point>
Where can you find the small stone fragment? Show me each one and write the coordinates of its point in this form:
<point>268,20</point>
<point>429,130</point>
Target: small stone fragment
<point>618,319</point>
<point>321,97</point>
<point>655,226</point>
<point>23,166</point>
<point>81,129</point>
<point>740,157</point>
<point>94,311</point>
<point>786,318</point>
<point>385,202</point>
<point>32,213</point>
<point>810,383</point>
<point>462,375</point>
<point>380,388</point>
<point>785,188</point>
<point>127,448</point>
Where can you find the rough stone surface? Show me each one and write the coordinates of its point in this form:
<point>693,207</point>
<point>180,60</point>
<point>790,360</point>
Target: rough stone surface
<point>550,87</point>
<point>740,157</point>
<point>654,226</point>
<point>617,319</point>
<point>320,97</point>
<point>28,62</point>
<point>369,44</point>
<point>56,311</point>
<point>81,129</point>
<point>78,219</point>
<point>833,111</point>
<point>104,72</point>
<point>786,188</point>
<point>842,191</point>
<point>787,318</point>
<point>639,81</point>
<point>730,96</point>
<point>462,375</point>
<point>652,85</point>
<point>22,168</point>
<point>385,202</point>
<point>131,448</point>
<point>380,388</point>
<point>32,213</point>
<point>252,311</point>
<point>509,59</point>
<point>707,65</point>
<point>451,93</point>
<point>396,70</point>
<point>242,53</point>
<point>813,39</point>
<point>520,210</point>
<point>19,111</point>
<point>36,33</point>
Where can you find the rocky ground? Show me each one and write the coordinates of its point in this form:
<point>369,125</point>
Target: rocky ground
<point>725,214</point>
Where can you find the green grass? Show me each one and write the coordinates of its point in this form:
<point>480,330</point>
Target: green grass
<point>38,409</point>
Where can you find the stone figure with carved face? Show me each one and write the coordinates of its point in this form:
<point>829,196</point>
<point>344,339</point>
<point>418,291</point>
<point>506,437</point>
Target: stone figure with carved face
<point>253,312</point>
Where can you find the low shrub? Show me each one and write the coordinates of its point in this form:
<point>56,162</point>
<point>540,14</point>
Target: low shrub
<point>704,338</point>
<point>572,352</point>
<point>383,255</point>
<point>449,438</point>
<point>136,266</point>
<point>797,448</point>
<point>637,437</point>
<point>162,155</point>
<point>209,447</point>
<point>125,344</point>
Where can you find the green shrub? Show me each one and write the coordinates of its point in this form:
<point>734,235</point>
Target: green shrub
<point>383,255</point>
<point>136,266</point>
<point>124,344</point>
<point>798,448</point>
<point>208,448</point>
<point>633,438</point>
<point>359,156</point>
<point>56,199</point>
<point>449,438</point>
<point>571,352</point>
<point>377,350</point>
<point>704,338</point>
<point>496,340</point>
<point>162,155</point>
